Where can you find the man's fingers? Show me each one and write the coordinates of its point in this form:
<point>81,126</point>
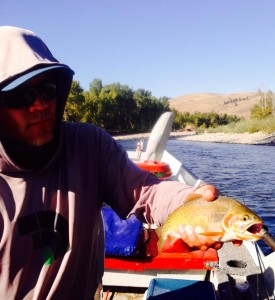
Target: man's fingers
<point>208,192</point>
<point>191,236</point>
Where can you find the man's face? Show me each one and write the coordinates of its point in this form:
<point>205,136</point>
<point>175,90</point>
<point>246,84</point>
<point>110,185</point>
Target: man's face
<point>32,125</point>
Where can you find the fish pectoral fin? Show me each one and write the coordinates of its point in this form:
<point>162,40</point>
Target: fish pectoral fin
<point>218,233</point>
<point>173,237</point>
<point>174,244</point>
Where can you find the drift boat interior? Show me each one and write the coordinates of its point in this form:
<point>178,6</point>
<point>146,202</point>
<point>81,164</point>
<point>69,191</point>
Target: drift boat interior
<point>133,263</point>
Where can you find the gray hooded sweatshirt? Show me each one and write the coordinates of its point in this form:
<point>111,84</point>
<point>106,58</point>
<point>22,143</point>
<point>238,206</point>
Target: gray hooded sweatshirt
<point>51,197</point>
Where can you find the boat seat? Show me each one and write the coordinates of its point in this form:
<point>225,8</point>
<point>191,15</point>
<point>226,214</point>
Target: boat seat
<point>137,270</point>
<point>136,249</point>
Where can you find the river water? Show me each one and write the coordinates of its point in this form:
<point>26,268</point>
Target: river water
<point>245,172</point>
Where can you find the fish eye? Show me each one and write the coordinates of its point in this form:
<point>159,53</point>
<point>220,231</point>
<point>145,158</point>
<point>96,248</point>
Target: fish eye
<point>245,217</point>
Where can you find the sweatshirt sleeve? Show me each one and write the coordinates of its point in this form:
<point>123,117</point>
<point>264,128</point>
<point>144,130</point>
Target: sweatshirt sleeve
<point>131,190</point>
<point>159,200</point>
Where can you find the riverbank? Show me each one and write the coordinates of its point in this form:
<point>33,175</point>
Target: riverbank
<point>257,138</point>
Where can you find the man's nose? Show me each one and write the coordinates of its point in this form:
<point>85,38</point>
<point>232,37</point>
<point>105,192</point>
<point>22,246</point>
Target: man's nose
<point>39,104</point>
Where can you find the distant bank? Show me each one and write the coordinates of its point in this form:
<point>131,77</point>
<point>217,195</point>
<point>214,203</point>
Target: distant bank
<point>257,138</point>
<point>238,104</point>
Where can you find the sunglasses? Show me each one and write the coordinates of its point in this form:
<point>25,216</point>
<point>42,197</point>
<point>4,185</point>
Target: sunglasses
<point>25,96</point>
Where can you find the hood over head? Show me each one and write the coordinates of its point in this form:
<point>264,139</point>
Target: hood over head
<point>23,56</point>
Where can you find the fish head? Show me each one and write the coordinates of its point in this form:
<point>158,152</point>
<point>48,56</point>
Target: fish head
<point>241,223</point>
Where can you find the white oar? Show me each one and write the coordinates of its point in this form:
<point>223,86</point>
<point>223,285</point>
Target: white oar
<point>159,136</point>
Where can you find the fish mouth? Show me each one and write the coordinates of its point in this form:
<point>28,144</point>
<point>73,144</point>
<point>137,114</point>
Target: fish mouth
<point>251,232</point>
<point>255,228</point>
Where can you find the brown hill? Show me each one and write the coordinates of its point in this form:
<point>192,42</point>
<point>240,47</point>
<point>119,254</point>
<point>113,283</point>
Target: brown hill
<point>239,104</point>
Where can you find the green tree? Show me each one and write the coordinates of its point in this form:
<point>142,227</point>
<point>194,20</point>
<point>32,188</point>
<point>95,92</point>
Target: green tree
<point>124,106</point>
<point>149,108</point>
<point>201,120</point>
<point>89,108</point>
<point>74,106</point>
<point>114,107</point>
<point>95,87</point>
<point>265,106</point>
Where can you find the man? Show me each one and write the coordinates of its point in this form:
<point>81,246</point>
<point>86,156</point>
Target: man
<point>54,177</point>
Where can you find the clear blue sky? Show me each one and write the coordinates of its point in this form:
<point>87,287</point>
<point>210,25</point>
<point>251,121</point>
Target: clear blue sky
<point>169,47</point>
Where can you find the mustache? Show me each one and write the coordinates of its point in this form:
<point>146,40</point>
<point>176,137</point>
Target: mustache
<point>40,116</point>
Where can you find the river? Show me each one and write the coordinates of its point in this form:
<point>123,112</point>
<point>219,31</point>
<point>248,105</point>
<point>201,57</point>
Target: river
<point>245,172</point>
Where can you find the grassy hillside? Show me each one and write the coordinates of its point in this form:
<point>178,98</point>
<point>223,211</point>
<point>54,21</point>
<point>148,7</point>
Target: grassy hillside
<point>238,104</point>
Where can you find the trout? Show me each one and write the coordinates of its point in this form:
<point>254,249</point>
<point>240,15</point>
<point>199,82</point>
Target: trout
<point>224,220</point>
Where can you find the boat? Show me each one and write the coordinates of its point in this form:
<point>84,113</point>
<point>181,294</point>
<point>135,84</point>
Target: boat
<point>230,273</point>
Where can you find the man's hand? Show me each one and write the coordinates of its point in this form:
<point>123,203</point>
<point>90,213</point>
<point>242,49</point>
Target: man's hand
<point>190,236</point>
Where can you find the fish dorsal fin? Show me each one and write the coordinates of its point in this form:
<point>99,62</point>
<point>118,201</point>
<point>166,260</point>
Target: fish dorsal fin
<point>192,197</point>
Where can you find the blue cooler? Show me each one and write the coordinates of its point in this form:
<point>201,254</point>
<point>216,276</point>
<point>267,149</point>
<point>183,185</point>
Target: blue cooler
<point>178,289</point>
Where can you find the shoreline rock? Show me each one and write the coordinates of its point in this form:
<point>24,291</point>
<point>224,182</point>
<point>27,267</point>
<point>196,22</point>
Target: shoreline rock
<point>257,138</point>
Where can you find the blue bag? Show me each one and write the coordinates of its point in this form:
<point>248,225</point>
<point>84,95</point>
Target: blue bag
<point>122,237</point>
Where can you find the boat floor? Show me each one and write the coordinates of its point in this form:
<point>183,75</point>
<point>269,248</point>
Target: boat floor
<point>236,278</point>
<point>123,293</point>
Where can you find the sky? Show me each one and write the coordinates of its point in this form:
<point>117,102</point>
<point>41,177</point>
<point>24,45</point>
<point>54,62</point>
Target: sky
<point>168,47</point>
